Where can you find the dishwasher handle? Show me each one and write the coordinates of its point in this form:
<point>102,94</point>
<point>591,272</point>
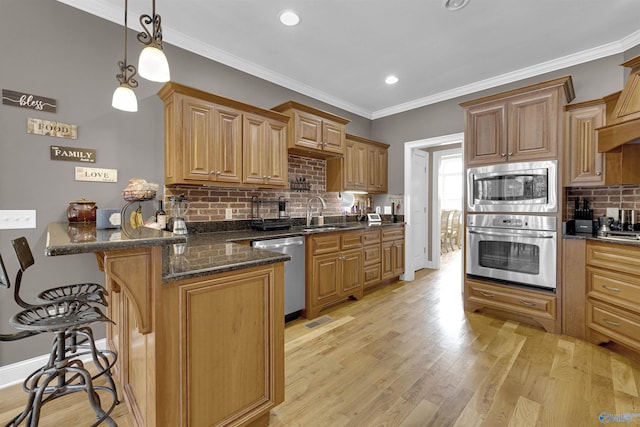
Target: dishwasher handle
<point>279,245</point>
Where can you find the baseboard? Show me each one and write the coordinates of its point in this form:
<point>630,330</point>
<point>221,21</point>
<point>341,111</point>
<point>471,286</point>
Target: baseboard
<point>17,372</point>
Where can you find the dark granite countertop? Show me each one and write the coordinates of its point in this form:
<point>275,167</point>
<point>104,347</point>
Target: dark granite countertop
<point>613,240</point>
<point>65,238</point>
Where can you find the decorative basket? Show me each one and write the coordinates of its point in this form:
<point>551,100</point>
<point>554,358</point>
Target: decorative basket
<point>138,195</point>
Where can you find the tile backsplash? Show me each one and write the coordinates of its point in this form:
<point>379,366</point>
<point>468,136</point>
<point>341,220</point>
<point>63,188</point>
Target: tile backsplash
<point>210,203</point>
<point>601,198</point>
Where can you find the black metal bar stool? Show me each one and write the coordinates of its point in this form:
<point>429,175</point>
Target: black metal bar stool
<point>64,372</point>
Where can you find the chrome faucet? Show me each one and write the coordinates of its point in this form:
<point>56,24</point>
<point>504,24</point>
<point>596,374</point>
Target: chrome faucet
<point>309,212</point>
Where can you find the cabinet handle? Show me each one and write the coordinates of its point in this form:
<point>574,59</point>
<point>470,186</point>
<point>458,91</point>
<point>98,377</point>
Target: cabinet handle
<point>598,173</point>
<point>609,322</point>
<point>527,303</point>
<point>611,289</point>
<point>503,154</point>
<point>486,294</point>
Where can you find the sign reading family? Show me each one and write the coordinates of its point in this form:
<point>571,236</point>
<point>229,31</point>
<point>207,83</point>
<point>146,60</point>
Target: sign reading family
<point>27,100</point>
<point>73,154</point>
<point>96,175</point>
<point>49,128</point>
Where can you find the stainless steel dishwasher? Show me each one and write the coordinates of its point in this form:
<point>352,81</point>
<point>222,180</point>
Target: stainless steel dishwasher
<point>294,272</point>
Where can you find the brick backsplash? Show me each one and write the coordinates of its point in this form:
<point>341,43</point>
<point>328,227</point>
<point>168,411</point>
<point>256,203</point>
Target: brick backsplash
<point>209,203</point>
<point>601,198</point>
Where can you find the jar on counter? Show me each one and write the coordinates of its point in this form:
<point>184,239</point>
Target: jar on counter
<point>82,210</point>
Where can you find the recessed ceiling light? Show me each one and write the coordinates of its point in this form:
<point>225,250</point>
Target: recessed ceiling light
<point>289,18</point>
<point>391,80</point>
<point>455,4</point>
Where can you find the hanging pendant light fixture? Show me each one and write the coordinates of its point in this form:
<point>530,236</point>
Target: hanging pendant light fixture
<point>124,98</point>
<point>152,63</point>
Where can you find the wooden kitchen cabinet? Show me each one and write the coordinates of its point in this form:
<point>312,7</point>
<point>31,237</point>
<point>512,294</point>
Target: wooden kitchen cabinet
<point>334,270</point>
<point>264,151</point>
<point>392,252</point>
<point>574,292</point>
<point>372,257</point>
<point>363,167</point>
<point>313,132</point>
<point>613,298</point>
<point>518,125</point>
<point>201,351</point>
<point>585,165</point>
<point>211,140</point>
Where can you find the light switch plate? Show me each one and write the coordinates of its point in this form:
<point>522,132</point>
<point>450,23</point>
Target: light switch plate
<point>612,213</point>
<point>228,213</point>
<point>16,219</point>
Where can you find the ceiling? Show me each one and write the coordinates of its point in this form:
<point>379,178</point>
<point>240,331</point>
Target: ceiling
<point>342,50</point>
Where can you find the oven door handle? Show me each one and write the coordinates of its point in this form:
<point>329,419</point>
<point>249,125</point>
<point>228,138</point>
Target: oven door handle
<point>503,234</point>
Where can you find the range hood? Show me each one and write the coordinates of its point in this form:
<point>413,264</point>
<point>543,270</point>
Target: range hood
<point>623,113</point>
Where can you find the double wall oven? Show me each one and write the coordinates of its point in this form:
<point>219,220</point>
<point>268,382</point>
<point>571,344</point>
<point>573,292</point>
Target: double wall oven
<point>511,223</point>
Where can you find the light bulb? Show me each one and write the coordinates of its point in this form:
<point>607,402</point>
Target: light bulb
<point>153,65</point>
<point>124,98</point>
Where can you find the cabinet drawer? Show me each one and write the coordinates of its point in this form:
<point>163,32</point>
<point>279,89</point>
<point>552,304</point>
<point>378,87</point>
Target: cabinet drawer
<point>621,258</point>
<point>513,299</point>
<point>392,233</point>
<point>372,274</point>
<point>351,240</point>
<point>371,254</point>
<point>622,289</point>
<point>325,244</point>
<point>617,324</point>
<point>370,237</point>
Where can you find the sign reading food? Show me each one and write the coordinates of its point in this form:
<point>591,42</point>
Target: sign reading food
<point>28,100</point>
<point>73,154</point>
<point>50,128</point>
<point>96,175</point>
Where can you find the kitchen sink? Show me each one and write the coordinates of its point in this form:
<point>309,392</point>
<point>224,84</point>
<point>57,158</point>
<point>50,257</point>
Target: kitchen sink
<point>325,227</point>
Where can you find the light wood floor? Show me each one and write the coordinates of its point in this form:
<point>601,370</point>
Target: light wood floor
<point>408,355</point>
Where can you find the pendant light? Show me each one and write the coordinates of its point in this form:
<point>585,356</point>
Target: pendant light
<point>152,63</point>
<point>124,98</point>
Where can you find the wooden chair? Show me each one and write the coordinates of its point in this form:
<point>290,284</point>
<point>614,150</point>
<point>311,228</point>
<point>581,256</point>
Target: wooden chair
<point>454,230</point>
<point>445,220</point>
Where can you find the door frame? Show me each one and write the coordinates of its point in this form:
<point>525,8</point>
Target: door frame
<point>409,273</point>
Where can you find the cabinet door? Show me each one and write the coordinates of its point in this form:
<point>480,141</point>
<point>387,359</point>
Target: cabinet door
<point>377,169</point>
<point>326,278</point>
<point>228,145</point>
<point>198,131</point>
<point>533,126</point>
<point>352,270</point>
<point>386,250</point>
<point>398,257</point>
<point>308,131</point>
<point>586,165</point>
<point>333,137</point>
<point>486,133</point>
<point>350,170</point>
<point>361,169</point>
<point>264,151</point>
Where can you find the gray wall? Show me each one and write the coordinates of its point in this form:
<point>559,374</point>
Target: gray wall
<point>53,50</point>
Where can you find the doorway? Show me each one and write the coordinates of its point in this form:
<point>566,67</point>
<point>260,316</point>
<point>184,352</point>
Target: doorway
<point>432,237</point>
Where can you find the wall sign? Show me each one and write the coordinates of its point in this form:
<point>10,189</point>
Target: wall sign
<point>96,175</point>
<point>27,100</point>
<point>73,154</point>
<point>49,128</point>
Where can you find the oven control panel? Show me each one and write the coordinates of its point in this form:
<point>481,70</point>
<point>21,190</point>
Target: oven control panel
<point>523,222</point>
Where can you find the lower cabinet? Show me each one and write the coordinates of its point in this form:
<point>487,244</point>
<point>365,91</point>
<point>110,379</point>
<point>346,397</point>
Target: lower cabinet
<point>204,351</point>
<point>392,251</point>
<point>529,305</point>
<point>613,294</point>
<point>334,270</point>
<point>372,258</point>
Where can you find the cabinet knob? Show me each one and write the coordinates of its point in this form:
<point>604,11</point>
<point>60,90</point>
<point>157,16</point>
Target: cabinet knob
<point>598,173</point>
<point>503,154</point>
<point>268,176</point>
<point>510,153</point>
<point>218,173</point>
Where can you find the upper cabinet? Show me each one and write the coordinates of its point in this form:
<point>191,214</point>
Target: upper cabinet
<point>363,167</point>
<point>518,125</point>
<point>211,140</point>
<point>584,164</point>
<point>313,132</point>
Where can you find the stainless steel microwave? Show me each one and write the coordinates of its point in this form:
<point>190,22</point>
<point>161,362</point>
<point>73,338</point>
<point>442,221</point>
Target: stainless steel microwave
<point>513,187</point>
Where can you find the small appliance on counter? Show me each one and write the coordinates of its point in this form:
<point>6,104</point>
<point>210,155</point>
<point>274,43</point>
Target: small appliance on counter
<point>583,218</point>
<point>178,208</point>
<point>270,214</point>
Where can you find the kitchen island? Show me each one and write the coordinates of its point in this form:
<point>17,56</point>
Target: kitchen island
<point>198,324</point>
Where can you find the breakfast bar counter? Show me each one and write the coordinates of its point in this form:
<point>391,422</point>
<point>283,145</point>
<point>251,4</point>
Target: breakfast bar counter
<point>198,328</point>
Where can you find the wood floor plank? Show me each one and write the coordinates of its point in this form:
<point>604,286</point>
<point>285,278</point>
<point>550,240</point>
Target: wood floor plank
<point>525,413</point>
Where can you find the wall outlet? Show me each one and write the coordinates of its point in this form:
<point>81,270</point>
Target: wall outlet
<point>612,213</point>
<point>228,213</point>
<point>14,219</point>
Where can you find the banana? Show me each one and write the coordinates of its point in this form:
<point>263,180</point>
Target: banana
<point>135,218</point>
